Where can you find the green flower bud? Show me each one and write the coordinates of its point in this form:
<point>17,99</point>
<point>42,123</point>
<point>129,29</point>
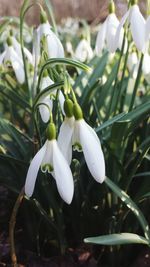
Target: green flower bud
<point>43,17</point>
<point>45,73</point>
<point>111,7</point>
<point>51,131</point>
<point>9,41</point>
<point>68,108</point>
<point>77,112</point>
<point>134,2</point>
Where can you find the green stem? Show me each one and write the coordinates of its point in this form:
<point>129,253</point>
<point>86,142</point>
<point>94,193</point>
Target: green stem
<point>122,79</point>
<point>136,83</point>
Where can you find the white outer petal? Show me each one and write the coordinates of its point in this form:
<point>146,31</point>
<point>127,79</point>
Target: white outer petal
<point>55,48</point>
<point>119,30</point>
<point>101,36</point>
<point>83,51</point>
<point>146,64</point>
<point>112,25</point>
<point>65,138</point>
<point>63,175</point>
<point>44,111</point>
<point>61,101</point>
<point>92,152</point>
<point>46,81</point>
<point>138,27</point>
<point>17,65</point>
<point>33,170</point>
<point>147,28</point>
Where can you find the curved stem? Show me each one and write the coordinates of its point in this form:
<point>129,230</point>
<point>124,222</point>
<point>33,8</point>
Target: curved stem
<point>136,83</point>
<point>12,224</point>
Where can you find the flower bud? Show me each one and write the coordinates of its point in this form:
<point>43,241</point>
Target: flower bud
<point>43,17</point>
<point>9,41</point>
<point>77,112</point>
<point>134,2</point>
<point>68,108</point>
<point>111,7</point>
<point>51,131</point>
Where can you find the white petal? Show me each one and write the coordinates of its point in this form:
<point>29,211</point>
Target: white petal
<point>112,25</point>
<point>44,111</point>
<point>48,156</point>
<point>100,40</point>
<point>83,51</point>
<point>33,171</point>
<point>65,138</point>
<point>92,152</point>
<point>46,81</point>
<point>119,31</point>
<point>138,28</point>
<point>63,175</point>
<point>146,64</point>
<point>147,28</point>
<point>2,56</point>
<point>55,48</point>
<point>61,101</point>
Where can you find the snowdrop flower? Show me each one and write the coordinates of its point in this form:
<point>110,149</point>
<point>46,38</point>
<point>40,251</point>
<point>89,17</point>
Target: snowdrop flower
<point>17,48</point>
<point>10,56</point>
<point>51,160</point>
<point>54,46</point>
<point>137,26</point>
<point>107,33</point>
<point>46,109</point>
<point>132,64</point>
<point>84,51</point>
<point>80,134</point>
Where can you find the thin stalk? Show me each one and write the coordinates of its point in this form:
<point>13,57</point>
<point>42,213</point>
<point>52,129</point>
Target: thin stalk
<point>116,80</point>
<point>51,14</point>
<point>12,224</point>
<point>122,78</point>
<point>136,83</point>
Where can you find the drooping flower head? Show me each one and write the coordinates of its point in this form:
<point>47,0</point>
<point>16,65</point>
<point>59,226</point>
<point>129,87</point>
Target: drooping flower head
<point>54,46</point>
<point>10,57</point>
<point>51,160</point>
<point>107,32</point>
<point>75,131</point>
<point>137,26</point>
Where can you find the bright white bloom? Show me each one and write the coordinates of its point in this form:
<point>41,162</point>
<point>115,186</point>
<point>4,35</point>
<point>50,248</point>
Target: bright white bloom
<point>133,63</point>
<point>84,51</point>
<point>54,46</point>
<point>47,100</point>
<point>51,160</point>
<point>17,48</point>
<point>79,133</point>
<point>106,35</point>
<point>10,56</point>
<point>137,26</point>
<point>65,138</point>
<point>87,138</point>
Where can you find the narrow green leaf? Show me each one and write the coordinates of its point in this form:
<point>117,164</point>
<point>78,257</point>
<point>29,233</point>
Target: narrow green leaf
<point>117,239</point>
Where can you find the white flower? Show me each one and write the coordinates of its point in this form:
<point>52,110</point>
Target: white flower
<point>51,160</point>
<point>132,64</point>
<point>10,56</point>
<point>54,46</point>
<point>46,99</point>
<point>83,51</point>
<point>107,34</point>
<point>87,138</point>
<point>17,48</point>
<point>137,26</point>
<point>80,134</point>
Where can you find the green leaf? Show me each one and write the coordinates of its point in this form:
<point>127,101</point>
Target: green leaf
<point>110,122</point>
<point>131,205</point>
<point>117,239</point>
